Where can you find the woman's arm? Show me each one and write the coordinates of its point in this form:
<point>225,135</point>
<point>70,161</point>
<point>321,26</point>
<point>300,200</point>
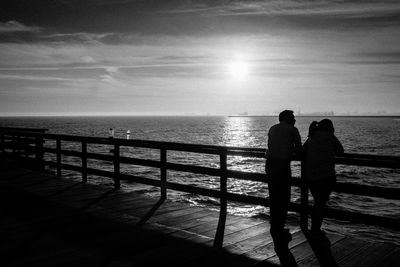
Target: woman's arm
<point>339,150</point>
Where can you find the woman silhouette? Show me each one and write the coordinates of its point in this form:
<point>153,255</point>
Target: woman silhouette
<point>320,150</point>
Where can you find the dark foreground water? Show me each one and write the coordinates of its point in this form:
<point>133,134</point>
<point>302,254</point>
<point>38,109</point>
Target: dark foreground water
<point>357,134</point>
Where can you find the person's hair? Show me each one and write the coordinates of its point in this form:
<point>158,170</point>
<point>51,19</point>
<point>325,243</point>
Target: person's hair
<point>313,127</point>
<point>326,125</point>
<point>286,115</point>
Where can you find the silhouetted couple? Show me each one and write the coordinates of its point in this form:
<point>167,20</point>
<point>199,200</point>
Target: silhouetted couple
<point>318,153</point>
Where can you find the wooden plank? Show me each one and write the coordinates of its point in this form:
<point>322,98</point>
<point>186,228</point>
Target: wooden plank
<point>250,243</point>
<point>321,253</point>
<point>24,179</point>
<point>51,187</point>
<point>242,234</point>
<point>177,221</point>
<point>345,247</point>
<point>12,173</point>
<point>209,229</point>
<point>366,254</point>
<point>127,202</point>
<point>266,252</point>
<point>207,218</point>
<point>235,227</point>
<point>391,259</point>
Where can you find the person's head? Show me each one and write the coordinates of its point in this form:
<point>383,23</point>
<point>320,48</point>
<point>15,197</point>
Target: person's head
<point>326,125</point>
<point>313,127</point>
<point>287,116</point>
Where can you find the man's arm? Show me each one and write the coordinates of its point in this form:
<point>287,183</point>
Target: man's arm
<point>297,143</point>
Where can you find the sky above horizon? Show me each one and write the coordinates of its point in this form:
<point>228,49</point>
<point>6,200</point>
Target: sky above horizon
<point>152,57</point>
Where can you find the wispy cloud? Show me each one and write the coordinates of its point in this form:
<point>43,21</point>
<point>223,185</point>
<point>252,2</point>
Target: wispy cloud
<point>286,7</point>
<point>15,26</point>
<point>31,78</point>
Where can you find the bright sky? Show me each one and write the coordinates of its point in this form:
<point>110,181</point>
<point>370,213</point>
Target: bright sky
<point>219,57</point>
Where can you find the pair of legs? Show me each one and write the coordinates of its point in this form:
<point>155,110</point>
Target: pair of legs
<point>320,191</point>
<point>279,174</point>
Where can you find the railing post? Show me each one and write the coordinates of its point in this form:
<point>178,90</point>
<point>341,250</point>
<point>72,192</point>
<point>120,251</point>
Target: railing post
<point>58,148</point>
<point>163,172</point>
<point>39,155</point>
<point>3,144</point>
<point>18,145</point>
<point>84,161</point>
<point>219,236</point>
<point>14,146</point>
<point>117,182</point>
<point>303,200</point>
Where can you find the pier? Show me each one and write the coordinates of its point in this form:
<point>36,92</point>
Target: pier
<point>51,220</point>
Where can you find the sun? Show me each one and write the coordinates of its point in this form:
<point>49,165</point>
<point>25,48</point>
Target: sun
<point>238,70</point>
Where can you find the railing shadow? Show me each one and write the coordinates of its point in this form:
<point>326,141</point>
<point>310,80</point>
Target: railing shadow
<point>286,258</point>
<point>322,250</point>
<point>64,189</point>
<point>150,213</point>
<point>96,200</point>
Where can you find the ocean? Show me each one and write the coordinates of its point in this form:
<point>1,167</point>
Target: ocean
<point>369,135</point>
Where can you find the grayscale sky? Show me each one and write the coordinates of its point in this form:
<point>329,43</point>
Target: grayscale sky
<point>150,57</point>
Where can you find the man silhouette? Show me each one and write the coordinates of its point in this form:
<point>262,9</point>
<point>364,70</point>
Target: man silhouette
<point>283,143</point>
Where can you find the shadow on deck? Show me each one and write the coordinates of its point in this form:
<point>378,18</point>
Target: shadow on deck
<point>53,221</point>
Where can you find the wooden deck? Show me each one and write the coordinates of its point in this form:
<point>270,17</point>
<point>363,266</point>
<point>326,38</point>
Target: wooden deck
<point>53,221</point>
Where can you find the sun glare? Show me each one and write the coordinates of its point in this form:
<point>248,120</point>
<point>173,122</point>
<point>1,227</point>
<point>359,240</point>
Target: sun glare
<point>238,70</point>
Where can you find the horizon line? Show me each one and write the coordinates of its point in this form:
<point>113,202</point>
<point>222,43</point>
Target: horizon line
<point>194,115</point>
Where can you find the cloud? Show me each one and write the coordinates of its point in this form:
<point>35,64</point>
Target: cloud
<point>15,26</point>
<point>111,69</point>
<point>282,7</point>
<point>147,22</point>
<point>107,78</point>
<point>31,78</point>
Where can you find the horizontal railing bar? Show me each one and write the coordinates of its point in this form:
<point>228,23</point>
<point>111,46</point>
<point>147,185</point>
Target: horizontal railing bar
<point>99,156</point>
<point>139,179</point>
<point>369,162</point>
<point>193,169</point>
<point>211,149</point>
<point>368,190</point>
<point>63,165</point>
<point>141,162</point>
<point>194,190</point>
<point>253,200</point>
<point>71,153</point>
<point>250,154</point>
<point>369,156</point>
<point>98,172</point>
<point>362,218</point>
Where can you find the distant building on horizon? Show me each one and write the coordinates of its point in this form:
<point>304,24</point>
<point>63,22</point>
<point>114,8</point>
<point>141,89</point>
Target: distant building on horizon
<point>326,113</point>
